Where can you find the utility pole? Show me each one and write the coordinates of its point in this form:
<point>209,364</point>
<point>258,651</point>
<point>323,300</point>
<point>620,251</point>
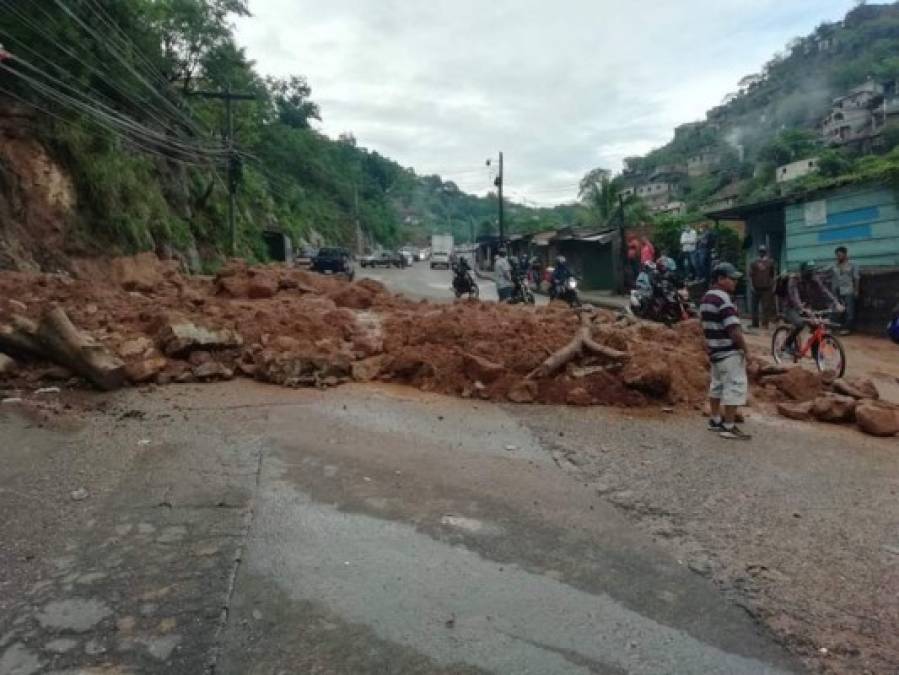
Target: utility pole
<point>235,168</point>
<point>498,182</point>
<point>622,286</point>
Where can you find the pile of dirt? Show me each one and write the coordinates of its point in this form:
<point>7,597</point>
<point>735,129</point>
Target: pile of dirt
<point>804,395</point>
<point>296,328</point>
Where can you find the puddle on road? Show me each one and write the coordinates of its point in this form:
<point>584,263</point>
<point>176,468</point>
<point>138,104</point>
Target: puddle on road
<point>406,586</point>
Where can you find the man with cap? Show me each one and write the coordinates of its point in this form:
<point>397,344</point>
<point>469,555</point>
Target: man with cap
<point>762,276</point>
<point>727,350</point>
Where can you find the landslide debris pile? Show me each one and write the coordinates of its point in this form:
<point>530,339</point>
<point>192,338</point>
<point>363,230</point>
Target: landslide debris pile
<point>804,395</point>
<point>138,320</point>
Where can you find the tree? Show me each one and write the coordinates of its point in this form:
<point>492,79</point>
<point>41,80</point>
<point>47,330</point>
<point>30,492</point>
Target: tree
<point>292,105</point>
<point>590,180</point>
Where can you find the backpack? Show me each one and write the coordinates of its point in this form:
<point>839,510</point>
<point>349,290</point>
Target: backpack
<point>781,287</point>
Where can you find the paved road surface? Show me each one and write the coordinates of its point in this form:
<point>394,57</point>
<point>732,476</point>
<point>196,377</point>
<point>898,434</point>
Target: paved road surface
<point>245,529</point>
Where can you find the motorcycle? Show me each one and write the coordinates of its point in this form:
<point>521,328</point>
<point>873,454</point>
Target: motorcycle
<point>666,304</point>
<point>565,291</point>
<point>521,293</point>
<point>463,282</point>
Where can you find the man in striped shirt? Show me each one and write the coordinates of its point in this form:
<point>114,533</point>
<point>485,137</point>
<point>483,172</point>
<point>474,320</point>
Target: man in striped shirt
<point>727,353</point>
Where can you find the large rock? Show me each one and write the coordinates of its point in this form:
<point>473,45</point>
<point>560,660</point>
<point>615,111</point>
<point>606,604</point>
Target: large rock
<point>136,347</point>
<point>798,384</point>
<point>579,396</point>
<point>524,392</point>
<point>181,337</point>
<point>857,387</point>
<point>481,369</point>
<point>796,411</point>
<point>143,272</point>
<point>650,378</point>
<point>212,370</point>
<point>834,408</point>
<point>261,286</point>
<point>7,365</point>
<point>368,369</point>
<point>877,419</point>
<point>145,370</point>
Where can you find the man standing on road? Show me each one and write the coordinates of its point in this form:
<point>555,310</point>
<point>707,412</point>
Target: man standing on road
<point>727,352</point>
<point>763,277</point>
<point>688,240</point>
<point>502,271</point>
<point>844,282</point>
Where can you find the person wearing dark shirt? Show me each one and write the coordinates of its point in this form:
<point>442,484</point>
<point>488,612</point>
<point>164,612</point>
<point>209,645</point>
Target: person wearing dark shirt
<point>762,275</point>
<point>727,350</point>
<point>801,288</point>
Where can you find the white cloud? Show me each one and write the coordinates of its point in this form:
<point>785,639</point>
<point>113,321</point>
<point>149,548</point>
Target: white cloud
<point>561,87</point>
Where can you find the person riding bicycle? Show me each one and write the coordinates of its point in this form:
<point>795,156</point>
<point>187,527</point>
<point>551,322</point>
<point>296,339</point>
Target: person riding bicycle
<point>801,288</point>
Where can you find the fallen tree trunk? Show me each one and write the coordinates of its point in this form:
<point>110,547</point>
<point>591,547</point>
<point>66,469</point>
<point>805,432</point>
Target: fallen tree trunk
<point>57,339</point>
<point>583,340</point>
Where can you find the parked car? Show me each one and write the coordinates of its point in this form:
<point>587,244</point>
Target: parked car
<point>305,256</point>
<point>333,260</point>
<point>408,258</point>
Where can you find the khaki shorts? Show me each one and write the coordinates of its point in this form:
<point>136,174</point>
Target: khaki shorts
<point>729,382</point>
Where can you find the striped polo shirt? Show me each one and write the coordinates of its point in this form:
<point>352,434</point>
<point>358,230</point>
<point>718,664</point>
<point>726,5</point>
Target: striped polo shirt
<point>718,313</point>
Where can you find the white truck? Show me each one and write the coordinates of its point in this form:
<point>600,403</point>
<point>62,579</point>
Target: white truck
<point>441,250</point>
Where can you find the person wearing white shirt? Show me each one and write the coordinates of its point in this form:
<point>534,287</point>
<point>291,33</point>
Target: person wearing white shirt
<point>688,239</point>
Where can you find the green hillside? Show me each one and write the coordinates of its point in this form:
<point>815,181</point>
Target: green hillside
<point>117,86</point>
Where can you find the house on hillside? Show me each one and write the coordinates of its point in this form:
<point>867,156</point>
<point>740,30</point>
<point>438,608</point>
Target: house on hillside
<point>794,170</point>
<point>673,208</point>
<point>862,115</point>
<point>810,225</point>
<point>654,195</point>
<point>725,198</point>
<point>703,163</point>
<point>688,130</point>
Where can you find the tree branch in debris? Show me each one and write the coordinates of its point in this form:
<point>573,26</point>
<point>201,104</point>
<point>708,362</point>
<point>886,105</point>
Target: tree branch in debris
<point>56,339</point>
<point>582,341</point>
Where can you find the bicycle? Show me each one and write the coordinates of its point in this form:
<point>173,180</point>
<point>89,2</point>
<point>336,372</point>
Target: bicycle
<point>822,345</point>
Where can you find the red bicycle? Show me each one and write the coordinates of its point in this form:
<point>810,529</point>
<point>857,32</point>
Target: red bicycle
<point>822,345</point>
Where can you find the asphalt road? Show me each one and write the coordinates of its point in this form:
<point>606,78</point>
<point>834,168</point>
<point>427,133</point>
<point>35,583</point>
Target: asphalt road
<point>419,281</point>
<point>244,529</point>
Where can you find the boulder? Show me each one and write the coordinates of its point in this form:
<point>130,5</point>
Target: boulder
<point>877,419</point>
<point>285,343</point>
<point>368,369</point>
<point>834,408</point>
<point>798,384</point>
<point>857,387</point>
<point>650,378</point>
<point>143,272</point>
<point>523,392</point>
<point>199,357</point>
<point>145,370</point>
<point>181,337</point>
<point>212,370</point>
<point>477,368</point>
<point>796,411</point>
<point>261,286</point>
<point>7,365</point>
<point>136,347</point>
<point>579,396</point>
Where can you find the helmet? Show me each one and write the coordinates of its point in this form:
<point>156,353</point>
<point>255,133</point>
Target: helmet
<point>808,268</point>
<point>561,260</point>
<point>501,251</point>
<point>649,267</point>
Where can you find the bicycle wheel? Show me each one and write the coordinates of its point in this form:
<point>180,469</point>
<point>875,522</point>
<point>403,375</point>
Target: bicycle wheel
<point>779,345</point>
<point>830,356</point>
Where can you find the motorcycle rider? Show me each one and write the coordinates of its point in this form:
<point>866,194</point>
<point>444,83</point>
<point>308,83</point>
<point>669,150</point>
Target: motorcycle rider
<point>799,291</point>
<point>561,274</point>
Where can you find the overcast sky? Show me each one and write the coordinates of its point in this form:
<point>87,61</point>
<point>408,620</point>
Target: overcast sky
<point>561,86</point>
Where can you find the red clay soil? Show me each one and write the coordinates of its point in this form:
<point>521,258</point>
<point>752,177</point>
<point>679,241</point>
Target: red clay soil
<point>303,329</point>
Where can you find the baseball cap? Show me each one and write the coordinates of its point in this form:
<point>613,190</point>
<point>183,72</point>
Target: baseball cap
<point>725,269</point>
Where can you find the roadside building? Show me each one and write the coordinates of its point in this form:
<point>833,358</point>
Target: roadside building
<point>810,225</point>
<point>860,117</point>
<point>794,170</point>
<point>278,245</point>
